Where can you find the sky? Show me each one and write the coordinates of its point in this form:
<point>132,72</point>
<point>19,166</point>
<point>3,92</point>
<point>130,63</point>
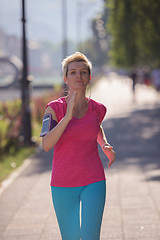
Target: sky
<point>44,18</point>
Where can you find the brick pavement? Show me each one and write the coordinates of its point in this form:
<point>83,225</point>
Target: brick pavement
<point>132,209</point>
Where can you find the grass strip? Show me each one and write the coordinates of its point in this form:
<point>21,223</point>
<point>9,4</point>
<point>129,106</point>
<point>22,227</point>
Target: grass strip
<point>10,162</point>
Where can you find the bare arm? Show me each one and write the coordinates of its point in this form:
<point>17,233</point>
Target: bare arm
<point>106,147</point>
<point>52,137</point>
<point>101,137</point>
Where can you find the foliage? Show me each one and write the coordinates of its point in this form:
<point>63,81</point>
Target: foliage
<point>135,32</point>
<point>11,149</point>
<point>10,117</point>
<point>38,108</point>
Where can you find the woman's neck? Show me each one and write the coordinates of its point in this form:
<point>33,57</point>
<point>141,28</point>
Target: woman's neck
<point>80,105</point>
<point>80,98</point>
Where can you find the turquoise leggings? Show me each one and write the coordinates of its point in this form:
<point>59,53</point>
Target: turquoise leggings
<point>66,201</point>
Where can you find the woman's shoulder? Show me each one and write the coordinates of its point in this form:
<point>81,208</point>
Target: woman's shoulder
<point>58,107</point>
<point>99,108</point>
<point>96,104</point>
<point>60,101</point>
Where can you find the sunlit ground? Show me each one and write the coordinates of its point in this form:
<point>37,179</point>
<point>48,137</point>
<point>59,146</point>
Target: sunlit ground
<point>117,94</point>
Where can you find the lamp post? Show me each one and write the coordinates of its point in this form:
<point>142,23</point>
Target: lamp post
<point>64,27</point>
<point>26,115</point>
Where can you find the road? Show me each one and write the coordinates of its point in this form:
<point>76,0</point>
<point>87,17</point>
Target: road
<point>132,210</point>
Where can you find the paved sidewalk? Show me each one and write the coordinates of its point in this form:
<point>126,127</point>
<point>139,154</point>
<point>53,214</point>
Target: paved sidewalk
<point>132,209</point>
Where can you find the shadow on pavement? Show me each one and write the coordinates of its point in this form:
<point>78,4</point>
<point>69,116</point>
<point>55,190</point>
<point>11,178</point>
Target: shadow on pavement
<point>136,140</point>
<point>41,163</point>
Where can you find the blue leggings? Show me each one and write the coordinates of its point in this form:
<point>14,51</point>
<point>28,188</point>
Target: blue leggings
<point>66,201</point>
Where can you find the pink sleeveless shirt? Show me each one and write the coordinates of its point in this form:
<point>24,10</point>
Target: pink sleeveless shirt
<point>76,161</point>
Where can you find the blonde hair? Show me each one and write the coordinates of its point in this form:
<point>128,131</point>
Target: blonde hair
<point>76,57</point>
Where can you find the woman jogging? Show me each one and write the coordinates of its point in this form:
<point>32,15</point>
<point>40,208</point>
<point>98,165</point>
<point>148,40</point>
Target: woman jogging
<point>72,125</point>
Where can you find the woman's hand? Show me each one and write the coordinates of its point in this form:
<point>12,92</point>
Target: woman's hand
<point>108,150</point>
<point>70,106</point>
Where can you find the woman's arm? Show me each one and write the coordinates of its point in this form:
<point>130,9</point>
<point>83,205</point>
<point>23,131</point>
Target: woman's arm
<point>106,147</point>
<point>101,137</point>
<point>52,137</point>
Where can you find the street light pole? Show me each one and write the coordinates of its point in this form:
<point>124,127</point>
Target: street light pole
<point>26,115</point>
<point>64,27</point>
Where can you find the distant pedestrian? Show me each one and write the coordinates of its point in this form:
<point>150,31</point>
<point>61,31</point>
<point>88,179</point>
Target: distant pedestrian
<point>72,125</point>
<point>133,76</point>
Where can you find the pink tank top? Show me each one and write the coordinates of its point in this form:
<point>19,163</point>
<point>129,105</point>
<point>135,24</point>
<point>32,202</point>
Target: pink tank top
<point>76,161</point>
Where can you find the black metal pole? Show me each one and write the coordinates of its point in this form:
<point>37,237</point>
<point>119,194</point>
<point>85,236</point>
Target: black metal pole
<point>26,115</point>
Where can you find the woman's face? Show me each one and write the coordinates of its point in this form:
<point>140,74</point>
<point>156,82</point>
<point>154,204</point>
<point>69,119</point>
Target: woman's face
<point>78,75</point>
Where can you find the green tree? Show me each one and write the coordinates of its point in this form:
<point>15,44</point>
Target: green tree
<point>135,32</point>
